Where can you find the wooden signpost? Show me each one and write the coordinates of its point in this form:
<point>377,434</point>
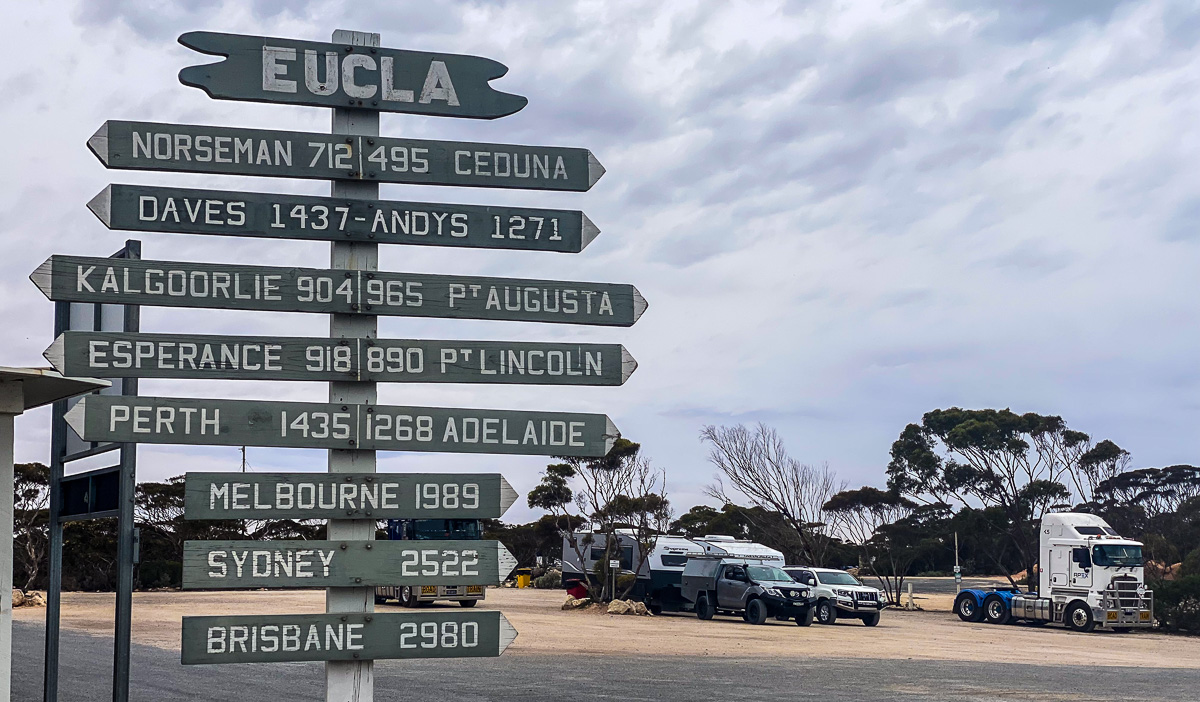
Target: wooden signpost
<point>193,148</point>
<point>287,71</point>
<point>326,496</point>
<point>358,79</point>
<point>170,420</point>
<point>333,291</point>
<point>117,355</point>
<point>147,208</point>
<point>221,565</point>
<point>286,638</point>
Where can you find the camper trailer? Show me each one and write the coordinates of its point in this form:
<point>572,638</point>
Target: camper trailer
<point>659,575</point>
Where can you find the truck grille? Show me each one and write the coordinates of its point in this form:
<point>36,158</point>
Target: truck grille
<point>1124,593</point>
<point>866,596</point>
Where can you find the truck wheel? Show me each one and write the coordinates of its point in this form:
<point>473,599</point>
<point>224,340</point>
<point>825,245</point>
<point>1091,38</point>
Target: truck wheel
<point>826,612</point>
<point>704,609</point>
<point>468,603</point>
<point>967,608</point>
<point>995,610</point>
<point>805,619</point>
<point>871,619</point>
<point>406,598</point>
<point>756,612</point>
<point>1079,618</point>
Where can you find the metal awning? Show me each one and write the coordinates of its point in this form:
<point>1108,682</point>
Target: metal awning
<point>41,386</point>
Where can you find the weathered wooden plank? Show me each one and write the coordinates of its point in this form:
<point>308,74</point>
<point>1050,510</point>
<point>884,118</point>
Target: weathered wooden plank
<point>225,565</point>
<point>283,638</point>
<point>188,148</point>
<point>146,208</point>
<point>268,288</point>
<point>121,355</point>
<point>346,496</point>
<point>165,420</point>
<point>322,74</point>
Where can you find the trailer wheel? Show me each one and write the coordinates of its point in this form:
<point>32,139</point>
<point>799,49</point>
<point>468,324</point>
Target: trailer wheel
<point>704,610</point>
<point>806,619</point>
<point>995,610</point>
<point>826,612</point>
<point>967,608</point>
<point>756,612</point>
<point>871,619</point>
<point>1079,618</point>
<point>468,603</point>
<point>405,598</point>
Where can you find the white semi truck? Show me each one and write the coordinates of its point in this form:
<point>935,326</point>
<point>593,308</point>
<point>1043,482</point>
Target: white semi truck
<point>1089,577</point>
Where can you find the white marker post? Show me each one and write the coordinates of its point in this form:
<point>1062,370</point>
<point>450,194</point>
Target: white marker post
<point>352,681</point>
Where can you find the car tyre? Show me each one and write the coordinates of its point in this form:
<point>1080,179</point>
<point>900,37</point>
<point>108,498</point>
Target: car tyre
<point>1079,618</point>
<point>870,619</point>
<point>704,610</point>
<point>756,612</point>
<point>805,619</point>
<point>826,612</point>
<point>996,610</point>
<point>967,608</point>
<point>468,603</point>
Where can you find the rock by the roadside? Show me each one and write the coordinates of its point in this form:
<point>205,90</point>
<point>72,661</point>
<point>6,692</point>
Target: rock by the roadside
<point>639,608</point>
<point>18,598</point>
<point>33,599</point>
<point>576,603</point>
<point>619,607</point>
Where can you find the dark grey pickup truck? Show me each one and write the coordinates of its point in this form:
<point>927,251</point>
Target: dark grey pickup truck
<point>744,586</point>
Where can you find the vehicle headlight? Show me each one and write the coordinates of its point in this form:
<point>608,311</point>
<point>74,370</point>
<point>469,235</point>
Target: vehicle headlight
<point>804,592</point>
<point>841,593</point>
<point>773,592</point>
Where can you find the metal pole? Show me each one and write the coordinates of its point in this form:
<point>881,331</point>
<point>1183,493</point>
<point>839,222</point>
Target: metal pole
<point>957,569</point>
<point>12,403</point>
<point>352,681</point>
<point>58,447</point>
<point>125,526</point>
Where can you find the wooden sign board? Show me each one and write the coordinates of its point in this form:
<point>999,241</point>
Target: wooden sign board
<point>226,565</point>
<point>146,208</point>
<point>268,288</point>
<point>286,638</point>
<point>119,355</point>
<point>187,148</point>
<point>346,496</point>
<point>164,420</point>
<point>287,71</point>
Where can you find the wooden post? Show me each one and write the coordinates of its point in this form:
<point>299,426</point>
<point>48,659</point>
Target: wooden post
<point>352,681</point>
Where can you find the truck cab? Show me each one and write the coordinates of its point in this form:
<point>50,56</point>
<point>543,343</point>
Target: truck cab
<point>1089,577</point>
<point>749,587</point>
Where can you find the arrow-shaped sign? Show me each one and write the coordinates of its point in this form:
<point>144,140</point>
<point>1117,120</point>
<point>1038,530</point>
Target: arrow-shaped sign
<point>208,285</point>
<point>188,148</point>
<point>282,638</point>
<point>146,208</point>
<point>133,355</point>
<point>288,71</point>
<point>167,420</point>
<point>346,496</point>
<point>225,565</point>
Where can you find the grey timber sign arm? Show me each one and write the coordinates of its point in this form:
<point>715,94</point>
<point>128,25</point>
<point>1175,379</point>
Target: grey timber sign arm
<point>166,420</point>
<point>283,638</point>
<point>147,208</point>
<point>185,148</point>
<point>117,355</point>
<point>322,74</point>
<point>223,565</point>
<point>346,496</point>
<point>176,284</point>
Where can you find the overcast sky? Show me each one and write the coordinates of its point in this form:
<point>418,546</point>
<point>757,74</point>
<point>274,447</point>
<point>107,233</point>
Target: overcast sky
<point>843,214</point>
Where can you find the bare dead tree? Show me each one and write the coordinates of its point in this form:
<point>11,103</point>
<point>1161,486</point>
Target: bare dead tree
<point>758,468</point>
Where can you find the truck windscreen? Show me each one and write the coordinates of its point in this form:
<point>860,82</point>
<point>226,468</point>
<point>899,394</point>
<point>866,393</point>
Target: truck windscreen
<point>1113,555</point>
<point>466,529</point>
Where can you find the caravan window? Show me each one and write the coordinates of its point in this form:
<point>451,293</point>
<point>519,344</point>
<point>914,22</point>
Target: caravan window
<point>626,556</point>
<point>674,561</point>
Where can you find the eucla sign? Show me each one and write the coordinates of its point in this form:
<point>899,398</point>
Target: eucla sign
<point>266,69</point>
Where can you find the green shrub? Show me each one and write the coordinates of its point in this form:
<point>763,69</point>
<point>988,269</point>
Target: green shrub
<point>1191,563</point>
<point>625,581</point>
<point>550,581</point>
<point>1177,605</point>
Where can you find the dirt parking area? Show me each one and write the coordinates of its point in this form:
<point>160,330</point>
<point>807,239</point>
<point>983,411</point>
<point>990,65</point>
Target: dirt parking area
<point>934,634</point>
